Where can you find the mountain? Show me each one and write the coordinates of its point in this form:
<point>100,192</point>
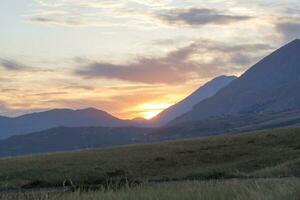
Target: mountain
<point>68,139</point>
<point>59,117</point>
<point>271,85</point>
<point>227,125</point>
<point>206,91</point>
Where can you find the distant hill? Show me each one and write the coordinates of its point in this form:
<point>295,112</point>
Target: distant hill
<point>206,91</point>
<point>272,85</point>
<point>59,117</point>
<point>76,138</point>
<point>68,139</point>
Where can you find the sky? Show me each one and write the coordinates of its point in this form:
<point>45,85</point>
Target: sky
<point>131,58</point>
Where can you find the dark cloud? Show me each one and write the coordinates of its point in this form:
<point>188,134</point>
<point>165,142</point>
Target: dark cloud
<point>42,20</point>
<point>16,66</point>
<point>171,68</point>
<point>289,30</point>
<point>12,65</point>
<point>195,16</point>
<point>201,59</point>
<point>71,21</point>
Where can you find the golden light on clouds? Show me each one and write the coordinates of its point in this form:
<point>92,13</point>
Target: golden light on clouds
<point>131,58</point>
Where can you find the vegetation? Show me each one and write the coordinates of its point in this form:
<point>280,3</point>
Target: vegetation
<point>272,153</point>
<point>270,189</point>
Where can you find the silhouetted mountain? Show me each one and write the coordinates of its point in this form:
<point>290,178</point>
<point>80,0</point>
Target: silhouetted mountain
<point>67,139</point>
<point>59,117</point>
<point>76,138</point>
<point>272,85</point>
<point>206,91</point>
<point>228,125</point>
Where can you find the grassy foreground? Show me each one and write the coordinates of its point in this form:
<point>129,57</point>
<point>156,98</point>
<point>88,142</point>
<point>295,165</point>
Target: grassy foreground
<point>270,189</point>
<point>272,153</point>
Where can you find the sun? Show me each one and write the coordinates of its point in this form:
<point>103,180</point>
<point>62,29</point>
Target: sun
<point>151,114</point>
<point>151,110</point>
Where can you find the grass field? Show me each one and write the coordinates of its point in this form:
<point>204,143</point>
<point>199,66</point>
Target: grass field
<point>269,189</point>
<point>244,158</point>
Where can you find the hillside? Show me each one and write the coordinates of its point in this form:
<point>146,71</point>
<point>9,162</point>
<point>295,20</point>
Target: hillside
<point>59,117</point>
<point>207,90</point>
<point>228,124</point>
<point>68,139</point>
<point>272,85</point>
<point>272,153</point>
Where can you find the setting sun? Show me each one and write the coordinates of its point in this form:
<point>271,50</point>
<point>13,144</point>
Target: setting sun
<point>151,110</point>
<point>151,114</point>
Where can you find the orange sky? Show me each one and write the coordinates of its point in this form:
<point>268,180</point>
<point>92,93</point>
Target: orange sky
<point>130,58</point>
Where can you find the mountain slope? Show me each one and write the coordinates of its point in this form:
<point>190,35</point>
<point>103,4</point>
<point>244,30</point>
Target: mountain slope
<point>67,139</point>
<point>206,91</point>
<point>272,85</point>
<point>59,117</point>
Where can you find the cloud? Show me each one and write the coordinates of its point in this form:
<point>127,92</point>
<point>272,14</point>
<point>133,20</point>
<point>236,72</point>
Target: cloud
<point>16,66</point>
<point>7,110</point>
<point>78,13</point>
<point>201,59</point>
<point>12,65</point>
<point>289,29</point>
<point>79,87</point>
<point>197,16</point>
<point>172,68</point>
<point>46,20</point>
<point>143,14</point>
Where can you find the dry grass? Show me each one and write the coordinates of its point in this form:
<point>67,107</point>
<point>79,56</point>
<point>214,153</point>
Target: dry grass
<point>272,153</point>
<point>268,189</point>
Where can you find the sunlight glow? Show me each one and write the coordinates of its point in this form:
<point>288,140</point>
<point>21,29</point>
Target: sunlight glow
<point>151,114</point>
<point>151,110</point>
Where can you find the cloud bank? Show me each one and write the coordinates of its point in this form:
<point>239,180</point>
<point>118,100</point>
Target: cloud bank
<point>12,65</point>
<point>201,59</point>
<point>197,16</point>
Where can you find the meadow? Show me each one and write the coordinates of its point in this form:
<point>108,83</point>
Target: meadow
<point>265,189</point>
<point>257,165</point>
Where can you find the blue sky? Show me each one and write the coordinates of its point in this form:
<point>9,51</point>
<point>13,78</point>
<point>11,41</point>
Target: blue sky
<point>101,53</point>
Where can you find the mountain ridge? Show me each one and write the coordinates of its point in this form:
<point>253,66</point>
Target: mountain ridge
<point>207,90</point>
<point>270,85</point>
<point>39,121</point>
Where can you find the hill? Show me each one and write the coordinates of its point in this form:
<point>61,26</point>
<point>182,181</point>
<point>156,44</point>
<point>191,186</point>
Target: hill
<point>272,85</point>
<point>70,139</point>
<point>76,138</point>
<point>35,122</point>
<point>207,90</point>
<point>271,153</point>
<point>228,124</point>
